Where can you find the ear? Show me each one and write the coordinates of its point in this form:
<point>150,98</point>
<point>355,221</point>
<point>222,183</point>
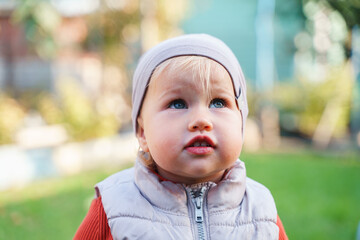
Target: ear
<point>140,134</point>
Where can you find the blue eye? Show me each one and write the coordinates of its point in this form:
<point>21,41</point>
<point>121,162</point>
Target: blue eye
<point>178,104</point>
<point>217,103</point>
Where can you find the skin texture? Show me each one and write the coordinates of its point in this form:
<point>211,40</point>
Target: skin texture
<point>177,112</point>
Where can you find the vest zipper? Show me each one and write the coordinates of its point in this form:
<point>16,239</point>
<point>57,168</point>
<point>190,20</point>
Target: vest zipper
<point>197,197</point>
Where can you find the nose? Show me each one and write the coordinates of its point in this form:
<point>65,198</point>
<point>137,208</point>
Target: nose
<point>200,122</point>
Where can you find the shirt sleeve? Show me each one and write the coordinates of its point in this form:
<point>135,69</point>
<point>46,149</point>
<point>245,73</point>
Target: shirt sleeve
<point>282,233</point>
<point>94,225</point>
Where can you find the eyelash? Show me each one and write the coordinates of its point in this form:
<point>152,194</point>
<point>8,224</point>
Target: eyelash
<point>177,101</point>
<point>184,105</point>
<point>223,102</point>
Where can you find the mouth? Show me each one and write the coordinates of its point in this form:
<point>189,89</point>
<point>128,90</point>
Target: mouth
<point>200,142</point>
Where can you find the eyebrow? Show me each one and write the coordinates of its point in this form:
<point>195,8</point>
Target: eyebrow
<point>173,90</point>
<point>219,88</point>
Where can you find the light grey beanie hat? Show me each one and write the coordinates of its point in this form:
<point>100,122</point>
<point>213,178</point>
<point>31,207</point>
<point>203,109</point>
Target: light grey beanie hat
<point>188,45</point>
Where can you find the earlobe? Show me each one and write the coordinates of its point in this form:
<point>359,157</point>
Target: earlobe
<point>140,134</point>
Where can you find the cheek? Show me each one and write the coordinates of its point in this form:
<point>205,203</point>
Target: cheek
<point>235,140</point>
<point>233,146</point>
<point>232,134</point>
<point>161,139</point>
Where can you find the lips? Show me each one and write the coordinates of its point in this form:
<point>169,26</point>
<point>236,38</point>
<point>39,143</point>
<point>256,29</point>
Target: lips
<point>200,145</point>
<point>200,141</point>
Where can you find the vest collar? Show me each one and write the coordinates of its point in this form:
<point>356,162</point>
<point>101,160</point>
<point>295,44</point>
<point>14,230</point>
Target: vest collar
<point>169,196</point>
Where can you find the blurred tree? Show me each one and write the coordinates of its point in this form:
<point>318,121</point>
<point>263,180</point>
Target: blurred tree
<point>323,64</point>
<point>40,21</point>
<point>122,30</point>
<point>75,111</point>
<point>116,29</point>
<point>318,110</point>
<point>350,10</point>
<point>112,25</point>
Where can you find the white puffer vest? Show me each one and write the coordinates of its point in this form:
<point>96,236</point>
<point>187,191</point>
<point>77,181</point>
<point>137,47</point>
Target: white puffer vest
<point>138,205</point>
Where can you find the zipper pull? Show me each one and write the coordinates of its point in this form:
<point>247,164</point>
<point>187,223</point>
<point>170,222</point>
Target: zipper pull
<point>197,199</point>
<point>199,215</point>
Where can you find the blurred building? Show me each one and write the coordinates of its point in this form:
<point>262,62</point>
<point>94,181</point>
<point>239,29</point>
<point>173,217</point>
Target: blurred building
<point>18,67</point>
<point>21,67</point>
<point>240,25</point>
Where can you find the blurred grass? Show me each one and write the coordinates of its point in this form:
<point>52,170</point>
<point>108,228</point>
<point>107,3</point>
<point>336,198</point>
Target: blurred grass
<point>317,197</point>
<point>50,209</point>
<point>317,194</point>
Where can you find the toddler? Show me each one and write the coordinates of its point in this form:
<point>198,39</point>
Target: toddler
<point>189,114</point>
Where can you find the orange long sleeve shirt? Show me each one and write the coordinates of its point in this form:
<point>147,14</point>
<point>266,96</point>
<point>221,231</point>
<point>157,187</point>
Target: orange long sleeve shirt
<point>95,225</point>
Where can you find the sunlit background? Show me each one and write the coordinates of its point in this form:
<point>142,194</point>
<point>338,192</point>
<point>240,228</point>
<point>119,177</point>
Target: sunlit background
<point>65,104</point>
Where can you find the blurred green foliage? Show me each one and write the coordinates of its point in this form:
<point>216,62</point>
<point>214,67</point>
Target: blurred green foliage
<point>74,109</point>
<point>71,107</point>
<point>109,31</point>
<point>40,21</point>
<point>350,10</point>
<point>12,115</point>
<point>302,103</point>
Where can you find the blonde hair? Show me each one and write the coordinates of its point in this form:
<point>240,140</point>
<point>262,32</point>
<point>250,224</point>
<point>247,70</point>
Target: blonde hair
<point>201,68</point>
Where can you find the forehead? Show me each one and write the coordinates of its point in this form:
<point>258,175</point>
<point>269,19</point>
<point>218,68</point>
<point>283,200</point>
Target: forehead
<point>197,72</point>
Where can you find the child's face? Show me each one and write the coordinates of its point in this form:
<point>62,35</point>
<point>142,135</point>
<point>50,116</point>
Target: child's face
<point>193,136</point>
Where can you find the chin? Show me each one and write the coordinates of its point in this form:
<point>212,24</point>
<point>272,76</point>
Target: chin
<point>205,175</point>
